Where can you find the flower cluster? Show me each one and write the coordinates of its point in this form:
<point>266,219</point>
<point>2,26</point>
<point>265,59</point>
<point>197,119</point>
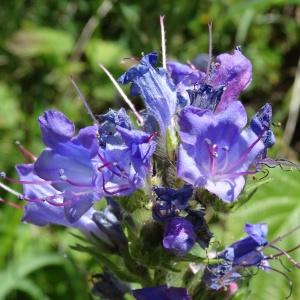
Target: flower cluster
<point>194,141</point>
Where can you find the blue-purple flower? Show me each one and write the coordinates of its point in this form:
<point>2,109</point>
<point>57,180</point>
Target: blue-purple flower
<point>45,205</point>
<point>67,162</point>
<point>219,276</point>
<point>179,236</point>
<point>124,165</point>
<point>234,72</point>
<point>156,89</point>
<point>260,124</point>
<point>170,201</point>
<point>246,252</point>
<point>228,77</point>
<point>216,151</point>
<point>109,159</point>
<point>161,293</point>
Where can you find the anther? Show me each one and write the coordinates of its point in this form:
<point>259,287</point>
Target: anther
<point>62,175</point>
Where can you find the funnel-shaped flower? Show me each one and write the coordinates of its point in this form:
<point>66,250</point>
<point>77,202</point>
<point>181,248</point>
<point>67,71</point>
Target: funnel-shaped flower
<point>52,209</point>
<point>67,162</point>
<point>234,71</point>
<point>161,293</point>
<point>179,236</point>
<point>216,152</point>
<point>245,252</point>
<point>156,89</point>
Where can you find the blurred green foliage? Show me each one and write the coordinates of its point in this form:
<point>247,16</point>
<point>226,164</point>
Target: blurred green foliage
<point>43,43</point>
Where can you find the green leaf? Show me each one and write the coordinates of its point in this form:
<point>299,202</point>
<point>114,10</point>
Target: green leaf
<point>107,53</point>
<point>33,42</point>
<point>10,112</point>
<point>13,277</point>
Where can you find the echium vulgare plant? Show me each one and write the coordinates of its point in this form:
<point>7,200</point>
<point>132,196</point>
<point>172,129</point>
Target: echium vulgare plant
<point>158,172</point>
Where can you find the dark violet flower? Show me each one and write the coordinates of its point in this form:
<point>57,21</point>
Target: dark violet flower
<point>219,276</point>
<point>51,210</point>
<point>241,254</point>
<point>108,123</point>
<point>261,123</point>
<point>234,71</point>
<point>206,96</point>
<point>246,252</point>
<point>216,152</point>
<point>123,166</point>
<point>179,236</point>
<point>156,89</point>
<point>204,235</point>
<point>169,201</point>
<point>161,293</point>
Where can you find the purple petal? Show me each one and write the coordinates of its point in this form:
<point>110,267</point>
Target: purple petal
<point>67,172</point>
<point>41,213</point>
<point>87,138</point>
<point>184,73</point>
<point>227,190</point>
<point>235,72</point>
<point>155,87</point>
<point>77,205</point>
<point>258,232</point>
<point>56,128</point>
<point>161,293</point>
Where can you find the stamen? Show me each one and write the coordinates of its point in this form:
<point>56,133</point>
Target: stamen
<point>244,156</point>
<point>125,98</point>
<point>83,100</point>
<point>113,192</point>
<point>163,42</point>
<point>225,150</point>
<point>152,136</point>
<point>238,174</point>
<point>10,203</point>
<point>133,59</point>
<point>209,48</point>
<point>62,176</point>
<point>10,190</point>
<point>16,181</point>
<point>213,155</point>
<point>29,157</point>
<point>107,165</point>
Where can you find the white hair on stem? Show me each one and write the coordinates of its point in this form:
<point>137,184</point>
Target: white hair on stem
<point>123,95</point>
<point>83,100</point>
<point>163,42</point>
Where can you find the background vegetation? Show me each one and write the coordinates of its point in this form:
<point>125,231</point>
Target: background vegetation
<point>43,43</point>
